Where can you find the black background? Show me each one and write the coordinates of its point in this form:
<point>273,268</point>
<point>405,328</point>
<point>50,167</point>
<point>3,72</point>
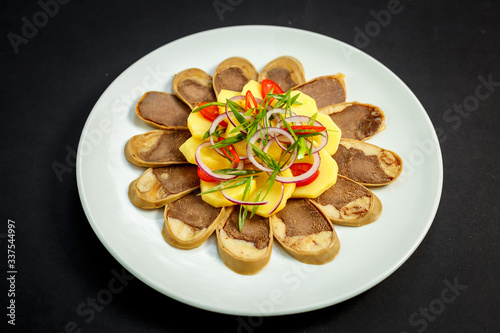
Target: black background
<point>439,49</point>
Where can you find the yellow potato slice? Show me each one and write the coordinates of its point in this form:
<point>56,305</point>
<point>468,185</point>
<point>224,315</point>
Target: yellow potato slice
<point>327,177</point>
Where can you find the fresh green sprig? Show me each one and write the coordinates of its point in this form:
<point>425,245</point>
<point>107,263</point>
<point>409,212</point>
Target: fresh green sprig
<point>201,107</point>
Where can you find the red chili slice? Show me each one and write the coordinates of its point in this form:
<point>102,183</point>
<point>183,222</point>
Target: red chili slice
<point>250,101</point>
<point>298,169</point>
<point>230,152</point>
<point>306,129</point>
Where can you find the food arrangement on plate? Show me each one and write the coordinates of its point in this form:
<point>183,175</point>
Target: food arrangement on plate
<point>257,157</point>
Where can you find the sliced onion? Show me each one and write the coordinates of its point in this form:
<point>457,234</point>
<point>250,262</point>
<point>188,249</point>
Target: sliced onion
<point>279,201</point>
<point>205,168</point>
<point>306,119</point>
<point>241,202</point>
<point>264,133</point>
<point>212,129</point>
<point>292,159</point>
<point>305,175</point>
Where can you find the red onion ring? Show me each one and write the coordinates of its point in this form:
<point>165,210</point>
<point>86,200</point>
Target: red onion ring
<point>294,154</point>
<point>212,129</point>
<point>306,119</point>
<point>241,202</point>
<point>264,132</point>
<point>305,175</point>
<point>205,168</point>
<point>279,201</point>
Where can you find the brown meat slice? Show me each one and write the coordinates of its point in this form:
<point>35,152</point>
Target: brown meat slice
<point>325,90</point>
<point>356,120</point>
<point>166,148</point>
<point>178,178</point>
<point>233,73</point>
<point>163,110</point>
<point>194,86</point>
<point>193,211</point>
<point>366,163</point>
<point>255,230</point>
<point>302,218</point>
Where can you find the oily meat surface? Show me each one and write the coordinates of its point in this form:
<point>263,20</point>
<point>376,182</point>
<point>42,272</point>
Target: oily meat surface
<point>357,121</point>
<point>342,193</point>
<point>325,91</point>
<point>178,178</point>
<point>231,78</point>
<point>301,218</point>
<point>193,211</point>
<point>164,109</point>
<point>166,148</point>
<point>255,230</point>
<point>283,77</point>
<point>355,165</point>
<point>196,93</point>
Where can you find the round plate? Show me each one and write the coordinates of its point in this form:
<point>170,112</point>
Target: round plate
<point>198,277</point>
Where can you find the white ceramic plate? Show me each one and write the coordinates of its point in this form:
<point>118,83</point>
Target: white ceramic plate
<point>198,277</point>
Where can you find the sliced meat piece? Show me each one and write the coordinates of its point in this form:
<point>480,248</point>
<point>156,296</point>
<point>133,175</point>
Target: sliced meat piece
<point>156,148</point>
<point>248,251</point>
<point>286,71</point>
<point>157,187</point>
<point>233,73</point>
<point>189,221</point>
<point>349,203</point>
<point>193,86</point>
<point>366,163</point>
<point>163,110</point>
<point>359,121</point>
<point>305,233</point>
<point>325,90</point>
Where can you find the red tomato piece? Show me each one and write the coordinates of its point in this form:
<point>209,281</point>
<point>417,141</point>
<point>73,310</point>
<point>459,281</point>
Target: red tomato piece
<point>268,85</point>
<point>298,169</point>
<point>207,178</point>
<point>211,112</point>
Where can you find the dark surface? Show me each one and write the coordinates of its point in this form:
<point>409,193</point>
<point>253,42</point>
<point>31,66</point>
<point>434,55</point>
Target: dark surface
<point>439,49</point>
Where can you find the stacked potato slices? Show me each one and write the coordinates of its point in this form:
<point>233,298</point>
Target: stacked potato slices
<point>255,157</point>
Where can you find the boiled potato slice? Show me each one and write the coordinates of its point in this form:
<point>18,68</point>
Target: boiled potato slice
<point>254,87</point>
<point>209,156</point>
<point>308,106</point>
<point>274,194</point>
<point>198,125</point>
<point>327,177</point>
<point>216,199</point>
<point>333,131</point>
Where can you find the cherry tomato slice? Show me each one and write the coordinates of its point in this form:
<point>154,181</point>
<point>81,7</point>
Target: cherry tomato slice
<point>268,85</point>
<point>207,178</point>
<point>211,112</point>
<point>298,169</point>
